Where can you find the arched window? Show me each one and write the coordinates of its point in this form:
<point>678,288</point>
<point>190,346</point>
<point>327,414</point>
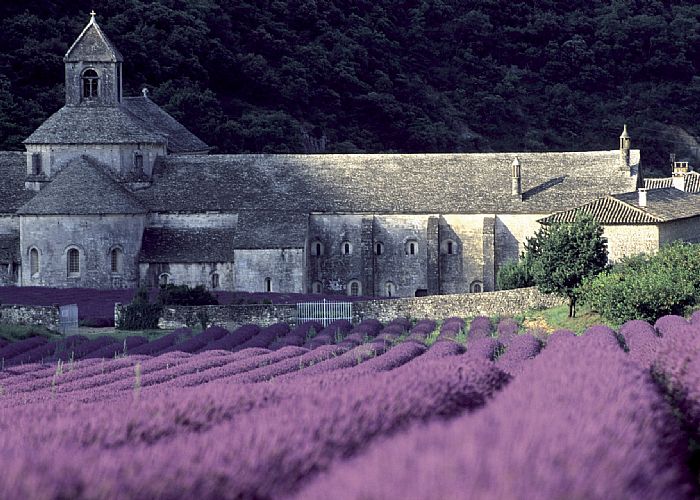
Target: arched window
<point>73,261</point>
<point>33,262</point>
<point>317,248</point>
<point>379,248</point>
<point>90,83</point>
<point>215,280</point>
<point>268,285</point>
<point>346,248</point>
<point>476,287</point>
<point>316,287</point>
<point>389,289</point>
<point>354,288</point>
<point>117,260</point>
<point>163,279</point>
<point>411,247</point>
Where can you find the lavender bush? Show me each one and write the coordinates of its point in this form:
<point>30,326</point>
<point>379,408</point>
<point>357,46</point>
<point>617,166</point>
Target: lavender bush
<point>480,328</point>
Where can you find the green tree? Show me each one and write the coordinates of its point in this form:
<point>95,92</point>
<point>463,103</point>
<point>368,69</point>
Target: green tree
<point>563,254</point>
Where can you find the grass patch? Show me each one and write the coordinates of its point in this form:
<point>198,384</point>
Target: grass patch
<point>14,333</point>
<point>556,318</point>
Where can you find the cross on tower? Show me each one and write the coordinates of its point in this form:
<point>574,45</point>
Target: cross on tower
<point>92,15</point>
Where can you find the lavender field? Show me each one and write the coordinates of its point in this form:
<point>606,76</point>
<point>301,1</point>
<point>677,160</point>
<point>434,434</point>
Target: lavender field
<point>398,410</point>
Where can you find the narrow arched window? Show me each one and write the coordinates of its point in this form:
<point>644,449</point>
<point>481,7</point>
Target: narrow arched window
<point>34,262</point>
<point>347,248</point>
<point>317,248</point>
<point>163,279</point>
<point>138,161</point>
<point>476,287</point>
<point>378,248</point>
<point>354,288</point>
<point>116,260</point>
<point>450,248</point>
<point>268,285</point>
<point>411,247</point>
<point>316,287</point>
<point>90,83</point>
<point>215,280</point>
<point>390,289</point>
<point>73,261</point>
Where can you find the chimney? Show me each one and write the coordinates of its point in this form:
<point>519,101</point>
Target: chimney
<point>516,180</point>
<point>625,144</point>
<point>680,169</point>
<point>642,197</point>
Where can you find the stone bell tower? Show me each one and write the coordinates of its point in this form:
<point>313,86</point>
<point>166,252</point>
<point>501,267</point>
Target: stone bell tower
<point>93,69</point>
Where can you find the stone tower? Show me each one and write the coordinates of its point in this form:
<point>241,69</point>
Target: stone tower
<point>625,145</point>
<point>93,69</point>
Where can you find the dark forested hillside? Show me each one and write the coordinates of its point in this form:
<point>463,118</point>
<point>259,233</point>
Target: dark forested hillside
<point>381,75</point>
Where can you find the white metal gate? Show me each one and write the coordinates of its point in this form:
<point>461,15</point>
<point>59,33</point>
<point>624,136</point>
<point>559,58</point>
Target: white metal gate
<point>68,319</point>
<point>324,312</point>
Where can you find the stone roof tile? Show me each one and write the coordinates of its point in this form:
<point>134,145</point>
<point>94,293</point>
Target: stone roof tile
<point>13,170</point>
<point>385,183</point>
<point>153,117</point>
<point>271,229</point>
<point>92,45</point>
<point>93,125</point>
<point>82,188</point>
<point>187,245</point>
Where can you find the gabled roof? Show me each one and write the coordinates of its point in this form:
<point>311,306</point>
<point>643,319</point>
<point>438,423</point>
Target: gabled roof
<point>13,171</point>
<point>82,188</point>
<point>663,205</point>
<point>92,45</point>
<point>692,182</point>
<point>271,229</point>
<point>386,183</point>
<point>187,245</point>
<point>92,125</point>
<point>152,117</point>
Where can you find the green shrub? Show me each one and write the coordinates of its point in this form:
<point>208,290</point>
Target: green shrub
<point>140,314</point>
<point>514,274</point>
<point>647,287</point>
<point>183,295</point>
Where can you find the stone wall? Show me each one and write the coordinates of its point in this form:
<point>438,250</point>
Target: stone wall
<point>501,303</point>
<point>94,236</point>
<point>631,240</point>
<point>687,230</point>
<point>283,267</point>
<point>190,274</point>
<point>46,316</point>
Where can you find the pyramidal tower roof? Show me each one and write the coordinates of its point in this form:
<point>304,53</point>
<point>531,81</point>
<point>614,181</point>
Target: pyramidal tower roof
<point>92,45</point>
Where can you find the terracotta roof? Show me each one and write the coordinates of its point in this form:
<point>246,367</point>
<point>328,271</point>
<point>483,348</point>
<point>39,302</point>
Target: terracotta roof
<point>92,45</point>
<point>13,171</point>
<point>385,183</point>
<point>93,125</point>
<point>153,117</point>
<point>270,229</point>
<point>663,205</point>
<point>692,182</point>
<point>187,245</point>
<point>9,248</point>
<point>82,188</point>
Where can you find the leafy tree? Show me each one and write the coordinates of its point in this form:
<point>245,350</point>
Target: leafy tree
<point>647,287</point>
<point>514,274</point>
<point>563,254</point>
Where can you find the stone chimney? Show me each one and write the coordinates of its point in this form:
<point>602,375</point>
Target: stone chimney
<point>642,197</point>
<point>680,169</point>
<point>625,144</point>
<point>516,180</point>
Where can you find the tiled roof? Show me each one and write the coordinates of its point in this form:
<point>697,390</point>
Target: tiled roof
<point>266,229</point>
<point>152,117</point>
<point>187,245</point>
<point>692,182</point>
<point>82,188</point>
<point>92,125</point>
<point>9,248</point>
<point>13,171</point>
<point>92,45</point>
<point>385,183</point>
<point>663,205</point>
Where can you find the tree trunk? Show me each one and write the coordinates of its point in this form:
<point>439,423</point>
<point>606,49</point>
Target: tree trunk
<point>572,307</point>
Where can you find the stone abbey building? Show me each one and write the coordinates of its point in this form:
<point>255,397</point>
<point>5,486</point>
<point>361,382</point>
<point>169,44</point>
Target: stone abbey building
<point>114,192</point>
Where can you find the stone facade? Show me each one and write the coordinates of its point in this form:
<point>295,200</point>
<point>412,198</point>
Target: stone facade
<point>46,316</point>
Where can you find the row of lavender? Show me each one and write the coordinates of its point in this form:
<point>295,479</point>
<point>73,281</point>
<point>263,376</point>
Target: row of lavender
<point>581,419</point>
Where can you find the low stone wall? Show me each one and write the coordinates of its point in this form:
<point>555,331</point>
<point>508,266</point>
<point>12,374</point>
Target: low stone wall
<point>46,316</point>
<point>502,303</point>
